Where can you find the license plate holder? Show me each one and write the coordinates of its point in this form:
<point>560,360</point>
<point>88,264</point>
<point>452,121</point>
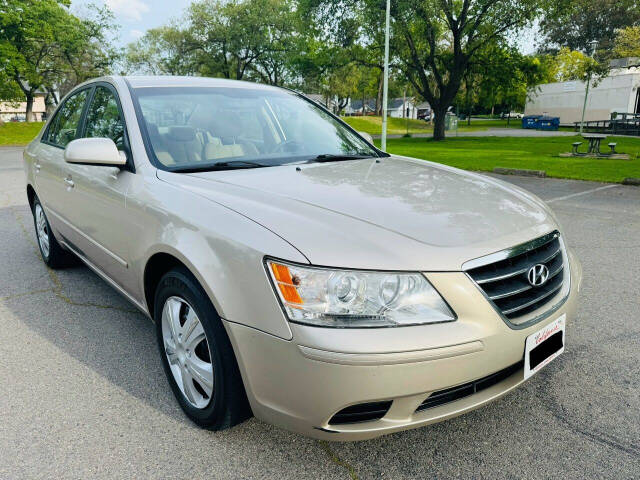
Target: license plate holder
<point>544,346</point>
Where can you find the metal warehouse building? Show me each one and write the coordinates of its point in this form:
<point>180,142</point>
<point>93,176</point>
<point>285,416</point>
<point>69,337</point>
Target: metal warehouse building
<point>619,92</point>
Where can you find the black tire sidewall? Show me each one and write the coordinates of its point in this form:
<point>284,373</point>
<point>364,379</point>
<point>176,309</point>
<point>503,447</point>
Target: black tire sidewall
<point>181,283</point>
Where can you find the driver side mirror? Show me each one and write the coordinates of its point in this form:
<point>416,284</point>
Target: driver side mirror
<point>367,137</point>
<point>94,151</point>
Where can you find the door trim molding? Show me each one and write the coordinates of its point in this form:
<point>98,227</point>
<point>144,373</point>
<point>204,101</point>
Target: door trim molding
<point>118,259</point>
<point>107,279</point>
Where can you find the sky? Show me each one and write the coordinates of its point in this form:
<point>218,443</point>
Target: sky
<point>136,16</point>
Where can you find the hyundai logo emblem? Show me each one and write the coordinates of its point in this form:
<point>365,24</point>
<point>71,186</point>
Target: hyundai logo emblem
<point>538,275</point>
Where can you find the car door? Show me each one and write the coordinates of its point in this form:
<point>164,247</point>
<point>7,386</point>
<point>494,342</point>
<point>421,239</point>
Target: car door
<point>49,164</point>
<point>97,196</point>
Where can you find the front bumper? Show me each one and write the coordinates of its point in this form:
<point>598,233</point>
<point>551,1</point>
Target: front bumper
<point>300,384</point>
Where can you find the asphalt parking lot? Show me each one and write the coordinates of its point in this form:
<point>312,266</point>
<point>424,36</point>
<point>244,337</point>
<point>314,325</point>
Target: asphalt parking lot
<point>83,393</point>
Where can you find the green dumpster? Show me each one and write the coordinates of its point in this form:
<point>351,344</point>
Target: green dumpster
<point>450,121</point>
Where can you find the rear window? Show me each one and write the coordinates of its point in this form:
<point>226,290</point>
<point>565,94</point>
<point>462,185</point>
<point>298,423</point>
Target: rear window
<point>64,127</point>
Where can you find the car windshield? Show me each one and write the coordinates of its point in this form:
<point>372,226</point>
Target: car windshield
<point>210,128</point>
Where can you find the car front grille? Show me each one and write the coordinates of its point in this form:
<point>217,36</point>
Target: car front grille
<point>505,279</point>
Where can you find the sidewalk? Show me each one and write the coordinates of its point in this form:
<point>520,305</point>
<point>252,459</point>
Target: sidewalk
<point>493,132</point>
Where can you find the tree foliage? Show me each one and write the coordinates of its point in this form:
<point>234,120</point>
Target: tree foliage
<point>576,23</point>
<point>627,42</point>
<point>237,39</point>
<point>44,47</point>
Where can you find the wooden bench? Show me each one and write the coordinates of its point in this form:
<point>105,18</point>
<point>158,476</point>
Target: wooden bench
<point>612,146</point>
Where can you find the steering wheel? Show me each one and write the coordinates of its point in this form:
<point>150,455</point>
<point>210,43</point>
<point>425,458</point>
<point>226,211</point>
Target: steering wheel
<point>288,146</point>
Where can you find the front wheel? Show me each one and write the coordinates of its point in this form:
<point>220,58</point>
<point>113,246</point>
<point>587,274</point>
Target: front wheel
<point>197,355</point>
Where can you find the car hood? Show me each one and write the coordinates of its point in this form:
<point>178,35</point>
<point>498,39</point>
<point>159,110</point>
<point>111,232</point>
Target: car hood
<point>394,214</point>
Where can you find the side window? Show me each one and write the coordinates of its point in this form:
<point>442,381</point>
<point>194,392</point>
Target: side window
<point>103,117</point>
<point>64,127</point>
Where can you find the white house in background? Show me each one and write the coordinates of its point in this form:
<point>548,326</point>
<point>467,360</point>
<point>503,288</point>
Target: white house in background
<point>619,92</point>
<point>397,107</point>
<point>329,103</point>
<point>17,111</point>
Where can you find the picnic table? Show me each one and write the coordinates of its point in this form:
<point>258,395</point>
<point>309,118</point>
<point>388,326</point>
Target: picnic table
<point>594,142</point>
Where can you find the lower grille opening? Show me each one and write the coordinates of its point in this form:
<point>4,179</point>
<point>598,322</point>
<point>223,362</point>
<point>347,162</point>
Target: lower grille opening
<point>362,412</point>
<point>456,393</point>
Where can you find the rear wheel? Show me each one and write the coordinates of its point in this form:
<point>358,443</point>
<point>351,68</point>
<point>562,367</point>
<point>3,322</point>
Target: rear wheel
<point>50,250</point>
<point>197,355</point>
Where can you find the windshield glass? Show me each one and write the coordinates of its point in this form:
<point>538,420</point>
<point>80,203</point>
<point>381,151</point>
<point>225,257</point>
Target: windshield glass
<point>191,128</point>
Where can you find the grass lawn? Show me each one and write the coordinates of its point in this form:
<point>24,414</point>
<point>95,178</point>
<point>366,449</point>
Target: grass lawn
<point>18,133</point>
<point>486,153</point>
<point>373,125</point>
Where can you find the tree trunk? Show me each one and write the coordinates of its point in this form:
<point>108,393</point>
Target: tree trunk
<point>438,123</point>
<point>29,113</point>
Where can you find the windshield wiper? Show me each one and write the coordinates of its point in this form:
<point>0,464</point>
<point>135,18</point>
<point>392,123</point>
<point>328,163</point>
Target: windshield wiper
<point>329,157</point>
<point>228,165</point>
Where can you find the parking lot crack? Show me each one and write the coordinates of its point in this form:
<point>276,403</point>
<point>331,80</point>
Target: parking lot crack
<point>337,460</point>
<point>58,287</point>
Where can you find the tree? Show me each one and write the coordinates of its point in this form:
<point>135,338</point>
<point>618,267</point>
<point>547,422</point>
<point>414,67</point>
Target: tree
<point>501,76</point>
<point>570,65</point>
<point>161,51</point>
<point>576,23</point>
<point>44,47</point>
<point>242,38</point>
<point>436,41</point>
<point>627,42</point>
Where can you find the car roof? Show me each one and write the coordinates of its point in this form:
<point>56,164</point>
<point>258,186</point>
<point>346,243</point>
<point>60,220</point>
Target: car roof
<point>148,81</point>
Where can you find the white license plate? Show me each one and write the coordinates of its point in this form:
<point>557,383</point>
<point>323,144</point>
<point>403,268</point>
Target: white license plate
<point>543,346</point>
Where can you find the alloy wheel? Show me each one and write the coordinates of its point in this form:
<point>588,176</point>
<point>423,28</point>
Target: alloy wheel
<point>42,230</point>
<point>188,351</point>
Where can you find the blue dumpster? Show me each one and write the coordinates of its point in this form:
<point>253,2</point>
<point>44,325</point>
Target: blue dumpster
<point>548,123</point>
<point>530,121</point>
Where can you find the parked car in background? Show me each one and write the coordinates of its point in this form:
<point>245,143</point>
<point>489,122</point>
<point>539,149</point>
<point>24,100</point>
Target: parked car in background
<point>293,270</point>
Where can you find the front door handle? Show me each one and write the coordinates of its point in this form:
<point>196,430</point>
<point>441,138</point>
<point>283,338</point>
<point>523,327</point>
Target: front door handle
<point>69,183</point>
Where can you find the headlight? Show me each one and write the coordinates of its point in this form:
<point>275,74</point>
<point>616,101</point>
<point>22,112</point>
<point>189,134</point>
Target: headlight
<point>352,298</point>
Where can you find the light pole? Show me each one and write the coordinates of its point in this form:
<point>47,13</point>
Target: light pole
<point>385,85</point>
<point>593,44</point>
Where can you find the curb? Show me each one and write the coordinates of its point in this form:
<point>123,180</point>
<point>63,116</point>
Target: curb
<point>520,171</point>
<point>631,181</point>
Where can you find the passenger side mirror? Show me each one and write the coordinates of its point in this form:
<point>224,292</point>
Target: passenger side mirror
<point>94,151</point>
<point>367,137</point>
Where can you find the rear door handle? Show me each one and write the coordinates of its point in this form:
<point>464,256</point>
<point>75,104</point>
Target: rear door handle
<point>69,182</point>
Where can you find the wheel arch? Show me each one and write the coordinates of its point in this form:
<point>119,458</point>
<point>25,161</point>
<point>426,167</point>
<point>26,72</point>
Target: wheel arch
<point>31,195</point>
<point>156,266</point>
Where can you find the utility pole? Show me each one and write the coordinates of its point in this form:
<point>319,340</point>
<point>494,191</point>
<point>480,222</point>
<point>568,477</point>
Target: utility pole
<point>594,44</point>
<point>385,87</point>
<point>405,109</point>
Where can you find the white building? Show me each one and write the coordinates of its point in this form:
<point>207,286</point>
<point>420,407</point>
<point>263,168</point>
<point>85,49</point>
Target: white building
<point>619,92</point>
<point>17,111</point>
<point>397,107</point>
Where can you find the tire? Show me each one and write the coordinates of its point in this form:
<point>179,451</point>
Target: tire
<point>213,400</point>
<point>52,253</point>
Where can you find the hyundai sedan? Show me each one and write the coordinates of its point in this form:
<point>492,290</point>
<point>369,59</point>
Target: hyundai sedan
<point>294,271</point>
